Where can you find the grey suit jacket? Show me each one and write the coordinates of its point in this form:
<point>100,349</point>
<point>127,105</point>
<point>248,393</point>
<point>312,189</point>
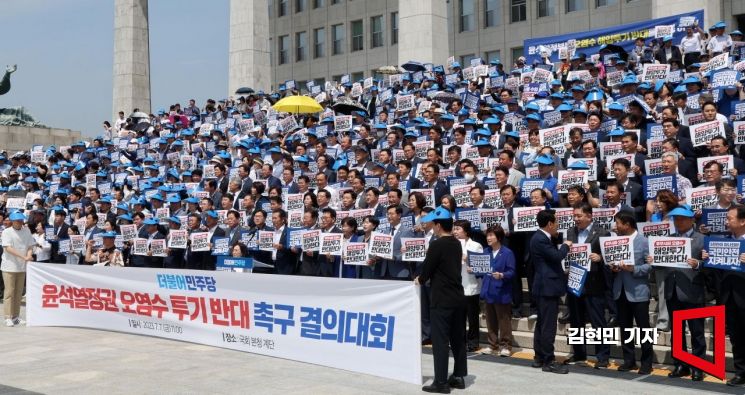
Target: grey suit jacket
<point>397,267</point>
<point>635,284</point>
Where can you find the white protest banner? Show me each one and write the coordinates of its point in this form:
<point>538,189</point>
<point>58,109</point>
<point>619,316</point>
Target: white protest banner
<point>614,78</point>
<point>556,137</point>
<point>579,254</point>
<point>375,330</point>
<point>200,241</point>
<point>15,203</point>
<point>604,217</point>
<point>209,171</point>
<point>564,218</point>
<point>493,198</point>
<point>701,197</point>
<point>525,218</point>
<point>739,131</point>
<point>288,124</point>
<point>178,238</point>
<point>702,133</point>
<point>462,194</point>
<point>727,162</point>
<point>342,123</point>
<point>129,232</point>
<point>139,246</point>
<point>718,62</point>
<point>311,240</point>
<point>246,125</point>
<point>649,229</point>
<point>414,249</point>
<point>294,201</point>
<point>653,72</point>
<point>77,243</point>
<point>266,240</point>
<point>158,247</point>
<point>670,251</point>
<point>489,217</point>
<point>617,250</point>
<point>381,245</point>
<point>653,167</point>
<point>609,149</point>
<point>568,178</point>
<point>330,244</point>
<point>405,103</point>
<point>664,30</point>
<point>355,254</point>
<point>541,75</point>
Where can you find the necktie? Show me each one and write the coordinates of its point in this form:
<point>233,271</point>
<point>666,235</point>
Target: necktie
<point>393,230</point>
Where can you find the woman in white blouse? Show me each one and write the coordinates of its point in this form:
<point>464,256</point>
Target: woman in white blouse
<point>471,284</point>
<point>42,249</point>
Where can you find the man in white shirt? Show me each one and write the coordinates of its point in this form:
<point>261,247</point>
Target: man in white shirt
<point>718,43</point>
<point>18,244</point>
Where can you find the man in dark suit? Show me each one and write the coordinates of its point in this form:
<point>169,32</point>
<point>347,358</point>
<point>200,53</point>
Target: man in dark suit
<point>431,173</point>
<point>371,197</point>
<point>396,269</point>
<point>151,226</point>
<point>289,186</point>
<point>328,264</point>
<point>233,232</point>
<point>209,261</point>
<point>591,303</point>
<point>685,289</point>
<point>668,52</point>
<point>60,232</point>
<point>730,287</point>
<point>408,181</point>
<point>285,261</point>
<point>309,265</point>
<point>548,286</point>
<point>271,180</point>
<point>621,168</point>
<point>221,178</point>
<point>514,241</point>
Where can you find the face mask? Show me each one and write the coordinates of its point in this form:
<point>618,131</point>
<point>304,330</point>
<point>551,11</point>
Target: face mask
<point>469,177</point>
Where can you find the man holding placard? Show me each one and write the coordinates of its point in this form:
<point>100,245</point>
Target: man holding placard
<point>684,289</point>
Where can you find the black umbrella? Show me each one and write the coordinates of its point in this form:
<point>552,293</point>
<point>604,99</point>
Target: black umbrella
<point>142,126</point>
<point>446,97</point>
<point>612,48</point>
<point>413,66</point>
<point>244,91</point>
<point>347,107</point>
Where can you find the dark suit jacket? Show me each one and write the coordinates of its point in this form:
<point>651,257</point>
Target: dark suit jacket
<point>688,284</point>
<point>730,287</point>
<point>222,185</point>
<point>674,55</point>
<point>440,190</point>
<point>595,283</point>
<point>292,187</point>
<point>548,279</point>
<point>61,232</point>
<point>412,183</point>
<point>286,261</point>
<point>273,181</point>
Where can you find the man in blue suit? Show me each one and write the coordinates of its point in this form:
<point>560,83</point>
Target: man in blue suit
<point>431,181</point>
<point>396,269</point>
<point>548,286</point>
<point>631,293</point>
<point>285,261</point>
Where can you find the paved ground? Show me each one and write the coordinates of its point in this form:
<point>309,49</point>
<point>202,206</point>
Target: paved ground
<point>82,361</point>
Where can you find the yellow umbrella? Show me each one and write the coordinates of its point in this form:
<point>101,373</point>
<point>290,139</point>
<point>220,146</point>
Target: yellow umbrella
<point>298,105</point>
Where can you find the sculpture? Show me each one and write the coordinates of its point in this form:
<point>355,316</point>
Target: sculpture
<point>5,83</point>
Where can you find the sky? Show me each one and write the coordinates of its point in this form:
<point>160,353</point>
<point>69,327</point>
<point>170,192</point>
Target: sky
<point>64,53</point>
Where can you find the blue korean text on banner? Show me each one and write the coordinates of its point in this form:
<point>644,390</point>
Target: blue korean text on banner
<point>715,220</point>
<point>652,184</point>
<point>740,183</point>
<point>480,263</point>
<point>589,42</point>
<point>294,237</point>
<point>221,246</point>
<point>529,184</point>
<point>235,263</point>
<point>467,214</point>
<point>724,253</point>
<point>577,278</point>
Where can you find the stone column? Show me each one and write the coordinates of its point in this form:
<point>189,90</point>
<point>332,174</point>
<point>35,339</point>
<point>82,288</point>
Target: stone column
<point>131,57</point>
<point>423,31</point>
<point>249,63</point>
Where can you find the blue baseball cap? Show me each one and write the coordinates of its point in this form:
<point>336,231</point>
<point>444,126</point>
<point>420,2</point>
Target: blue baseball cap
<point>212,213</point>
<point>175,220</point>
<point>682,211</point>
<point>17,216</point>
<point>579,165</point>
<point>545,160</point>
<point>110,234</point>
<point>438,213</point>
<point>125,217</point>
<point>192,200</point>
<point>150,221</point>
<point>617,132</point>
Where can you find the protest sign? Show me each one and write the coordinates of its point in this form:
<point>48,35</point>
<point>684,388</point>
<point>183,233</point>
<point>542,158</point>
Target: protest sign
<point>564,218</point>
<point>381,245</point>
<point>527,185</point>
<point>650,229</point>
<point>569,178</point>
<point>158,247</point>
<point>129,232</point>
<point>177,238</point>
<point>617,250</point>
<point>414,249</point>
<point>580,254</point>
<point>702,133</point>
<point>727,162</point>
<point>288,124</point>
<point>604,217</point>
<point>342,123</point>
<point>489,217</point>
<point>525,218</point>
<point>139,246</point>
<point>200,241</point>
<point>355,254</point>
<point>480,263</point>
<point>592,163</point>
<point>670,251</point>
<point>738,128</point>
<point>294,201</point>
<point>664,30</point>
<point>331,244</point>
<point>311,240</point>
<point>405,103</point>
<point>653,72</point>
<point>221,246</point>
<point>652,184</point>
<point>462,194</point>
<point>609,149</point>
<point>701,197</point>
<point>556,137</point>
<point>467,214</point>
<point>576,279</point>
<point>723,78</point>
<point>77,243</point>
<point>266,240</point>
<point>653,167</point>
<point>718,62</point>
<point>715,220</point>
<point>724,253</point>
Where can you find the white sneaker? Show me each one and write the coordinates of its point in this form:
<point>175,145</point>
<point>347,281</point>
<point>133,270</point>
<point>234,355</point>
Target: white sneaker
<point>18,321</point>
<point>505,352</point>
<point>485,350</point>
<point>9,322</point>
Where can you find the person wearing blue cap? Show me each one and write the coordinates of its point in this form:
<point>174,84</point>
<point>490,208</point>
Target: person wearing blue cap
<point>718,42</point>
<point>692,44</point>
<point>442,267</point>
<point>668,52</point>
<point>107,255</point>
<point>151,232</point>
<point>18,245</point>
<point>684,289</point>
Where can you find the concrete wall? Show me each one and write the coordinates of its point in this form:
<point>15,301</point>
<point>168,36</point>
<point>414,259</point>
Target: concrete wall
<point>131,57</point>
<point>21,138</point>
<point>249,63</point>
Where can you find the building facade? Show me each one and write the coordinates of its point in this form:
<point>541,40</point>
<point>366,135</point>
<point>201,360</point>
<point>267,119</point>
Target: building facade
<point>322,40</point>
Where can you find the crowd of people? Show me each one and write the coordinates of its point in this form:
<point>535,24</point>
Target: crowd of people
<point>382,154</point>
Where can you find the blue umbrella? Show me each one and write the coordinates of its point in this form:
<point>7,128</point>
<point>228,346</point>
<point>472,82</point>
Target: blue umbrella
<point>413,66</point>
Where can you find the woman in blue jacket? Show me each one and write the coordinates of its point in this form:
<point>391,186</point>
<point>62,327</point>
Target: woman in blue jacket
<point>496,291</point>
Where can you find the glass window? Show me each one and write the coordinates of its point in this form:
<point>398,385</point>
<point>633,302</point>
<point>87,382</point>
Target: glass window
<point>576,5</point>
<point>491,55</point>
<point>546,8</point>
<point>319,43</point>
<point>319,82</point>
<point>493,11</point>
<point>284,44</point>
<point>301,43</point>
<point>376,31</point>
<point>357,36</point>
<point>299,5</point>
<point>465,60</point>
<point>336,78</point>
<point>282,8</point>
<point>333,2</point>
<point>394,28</point>
<point>518,10</point>
<point>355,77</point>
<point>337,37</point>
<point>319,3</point>
<point>467,9</point>
<point>603,3</point>
<point>516,53</point>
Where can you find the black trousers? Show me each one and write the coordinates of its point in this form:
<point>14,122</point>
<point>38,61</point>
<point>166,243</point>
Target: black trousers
<point>523,270</point>
<point>424,306</point>
<point>472,316</point>
<point>628,313</point>
<point>448,333</point>
<point>545,328</point>
<point>580,309</point>
<point>696,326</point>
<point>610,303</point>
<point>736,330</point>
